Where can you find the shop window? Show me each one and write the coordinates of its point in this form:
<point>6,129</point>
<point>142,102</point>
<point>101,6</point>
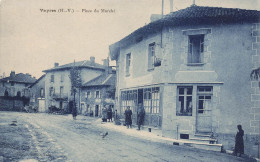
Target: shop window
<point>184,102</point>
<point>128,98</point>
<point>196,49</point>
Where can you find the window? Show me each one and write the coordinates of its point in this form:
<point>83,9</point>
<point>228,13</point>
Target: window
<point>128,98</point>
<point>61,89</point>
<point>151,100</point>
<point>61,78</point>
<point>151,56</point>
<point>184,102</point>
<point>12,83</point>
<point>128,63</point>
<point>42,92</point>
<point>52,78</point>
<point>204,99</point>
<point>97,94</point>
<point>51,91</point>
<point>88,94</point>
<point>196,49</point>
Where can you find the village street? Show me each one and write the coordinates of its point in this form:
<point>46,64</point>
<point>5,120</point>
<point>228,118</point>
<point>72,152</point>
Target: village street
<point>47,137</point>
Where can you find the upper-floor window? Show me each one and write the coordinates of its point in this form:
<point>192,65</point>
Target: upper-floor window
<point>62,78</point>
<point>42,92</point>
<point>151,56</point>
<point>97,95</point>
<point>51,91</point>
<point>88,94</point>
<point>52,78</point>
<point>61,89</point>
<point>184,103</point>
<point>128,63</point>
<point>196,49</point>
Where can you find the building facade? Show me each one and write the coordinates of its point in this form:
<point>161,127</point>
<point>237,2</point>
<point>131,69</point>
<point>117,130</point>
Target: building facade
<point>16,84</point>
<point>37,94</point>
<point>98,93</point>
<point>58,89</point>
<point>191,72</point>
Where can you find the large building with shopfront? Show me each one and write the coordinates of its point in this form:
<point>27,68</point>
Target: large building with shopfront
<point>191,72</point>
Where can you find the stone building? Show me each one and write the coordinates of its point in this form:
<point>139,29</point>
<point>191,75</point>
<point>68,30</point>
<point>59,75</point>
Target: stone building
<point>58,91</point>
<point>191,72</point>
<point>37,94</point>
<point>16,84</point>
<point>97,93</point>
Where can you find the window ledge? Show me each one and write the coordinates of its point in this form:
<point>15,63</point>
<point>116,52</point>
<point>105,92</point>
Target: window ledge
<point>195,64</point>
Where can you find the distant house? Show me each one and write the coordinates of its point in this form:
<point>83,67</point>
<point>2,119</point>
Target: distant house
<point>14,91</point>
<point>16,84</point>
<point>37,94</point>
<point>97,93</point>
<point>58,84</point>
<point>191,72</point>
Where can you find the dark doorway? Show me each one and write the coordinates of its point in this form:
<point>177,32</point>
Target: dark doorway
<point>140,96</point>
<point>61,104</point>
<point>96,110</point>
<point>18,94</point>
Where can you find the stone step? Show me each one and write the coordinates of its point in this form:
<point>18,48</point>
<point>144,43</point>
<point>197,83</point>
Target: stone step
<point>204,140</point>
<point>199,145</point>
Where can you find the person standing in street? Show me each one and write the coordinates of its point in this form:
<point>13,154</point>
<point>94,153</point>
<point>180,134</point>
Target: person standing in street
<point>140,115</point>
<point>128,117</point>
<point>109,114</point>
<point>104,114</point>
<point>239,145</point>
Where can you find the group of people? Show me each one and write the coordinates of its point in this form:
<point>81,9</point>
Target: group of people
<point>140,116</point>
<point>107,114</point>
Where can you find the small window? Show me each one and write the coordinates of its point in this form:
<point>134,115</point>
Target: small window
<point>128,63</point>
<point>62,78</point>
<point>184,104</point>
<point>196,49</point>
<point>42,92</point>
<point>88,94</point>
<point>12,83</point>
<point>151,56</point>
<point>52,78</point>
<point>61,89</point>
<point>51,91</point>
<point>97,94</point>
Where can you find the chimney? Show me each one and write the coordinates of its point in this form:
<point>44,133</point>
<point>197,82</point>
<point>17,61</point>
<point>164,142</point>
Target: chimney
<point>12,74</point>
<point>92,59</point>
<point>106,62</point>
<point>155,17</point>
<point>56,64</point>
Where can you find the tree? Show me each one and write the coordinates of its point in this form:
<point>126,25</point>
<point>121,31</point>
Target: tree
<point>75,78</point>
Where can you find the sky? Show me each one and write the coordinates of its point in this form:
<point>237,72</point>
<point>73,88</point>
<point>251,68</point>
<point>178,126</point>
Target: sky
<point>32,40</point>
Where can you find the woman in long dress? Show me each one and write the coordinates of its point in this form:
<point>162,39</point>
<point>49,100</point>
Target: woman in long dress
<point>239,146</point>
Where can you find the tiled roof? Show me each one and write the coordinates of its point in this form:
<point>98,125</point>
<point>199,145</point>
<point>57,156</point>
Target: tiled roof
<point>20,78</point>
<point>82,64</point>
<point>102,80</point>
<point>189,16</point>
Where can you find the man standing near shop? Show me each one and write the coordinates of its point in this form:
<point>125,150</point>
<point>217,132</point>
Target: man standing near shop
<point>140,115</point>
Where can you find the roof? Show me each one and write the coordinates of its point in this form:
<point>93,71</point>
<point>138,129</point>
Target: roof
<point>191,15</point>
<point>19,78</point>
<point>80,64</point>
<point>102,80</point>
<point>37,81</point>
